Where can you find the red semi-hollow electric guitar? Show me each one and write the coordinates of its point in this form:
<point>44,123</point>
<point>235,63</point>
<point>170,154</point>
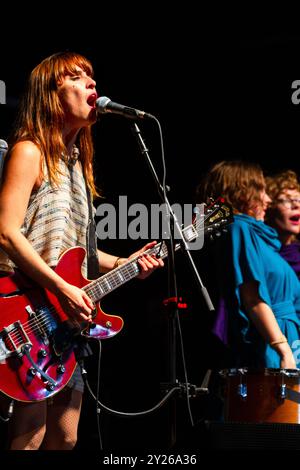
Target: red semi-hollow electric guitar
<point>36,337</point>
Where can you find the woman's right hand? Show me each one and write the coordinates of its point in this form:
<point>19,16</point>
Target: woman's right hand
<point>75,303</point>
<point>287,360</point>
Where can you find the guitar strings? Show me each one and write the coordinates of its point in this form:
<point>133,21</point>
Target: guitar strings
<point>93,289</point>
<point>35,325</point>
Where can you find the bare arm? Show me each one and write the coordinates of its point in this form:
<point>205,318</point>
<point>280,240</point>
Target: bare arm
<point>107,261</point>
<point>22,173</point>
<point>264,320</point>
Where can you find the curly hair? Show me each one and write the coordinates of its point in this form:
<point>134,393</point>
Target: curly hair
<point>276,185</point>
<point>285,180</point>
<point>238,182</point>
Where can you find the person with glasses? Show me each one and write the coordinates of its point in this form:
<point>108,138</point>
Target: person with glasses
<point>284,214</point>
<point>259,292</point>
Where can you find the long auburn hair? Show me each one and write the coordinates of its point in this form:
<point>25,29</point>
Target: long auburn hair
<point>239,183</point>
<point>40,118</point>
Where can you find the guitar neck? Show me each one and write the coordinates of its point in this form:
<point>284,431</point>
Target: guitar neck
<point>99,288</point>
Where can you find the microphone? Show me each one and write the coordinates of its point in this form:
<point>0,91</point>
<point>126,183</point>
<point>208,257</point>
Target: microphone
<point>3,150</point>
<point>105,105</point>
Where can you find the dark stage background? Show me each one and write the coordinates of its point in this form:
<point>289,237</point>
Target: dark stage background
<point>218,94</point>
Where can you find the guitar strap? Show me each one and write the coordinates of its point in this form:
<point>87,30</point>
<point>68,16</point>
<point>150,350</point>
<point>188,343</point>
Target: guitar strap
<point>93,269</point>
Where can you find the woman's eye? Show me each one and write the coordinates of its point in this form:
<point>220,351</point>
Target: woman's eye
<point>76,77</point>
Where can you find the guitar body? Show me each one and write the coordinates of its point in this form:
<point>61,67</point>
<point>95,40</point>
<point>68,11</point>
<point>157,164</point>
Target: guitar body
<point>31,320</point>
<point>37,338</point>
<point>69,268</point>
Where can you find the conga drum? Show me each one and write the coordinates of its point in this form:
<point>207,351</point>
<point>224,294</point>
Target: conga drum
<point>266,396</point>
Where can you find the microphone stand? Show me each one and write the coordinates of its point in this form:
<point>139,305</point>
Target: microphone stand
<point>172,302</point>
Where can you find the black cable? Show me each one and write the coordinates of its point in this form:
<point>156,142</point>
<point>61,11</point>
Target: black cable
<point>128,414</point>
<point>98,410</point>
<point>171,254</point>
<point>84,376</point>
<point>188,401</point>
<point>116,412</point>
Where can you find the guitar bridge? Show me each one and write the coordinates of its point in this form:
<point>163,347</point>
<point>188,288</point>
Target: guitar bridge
<point>13,338</point>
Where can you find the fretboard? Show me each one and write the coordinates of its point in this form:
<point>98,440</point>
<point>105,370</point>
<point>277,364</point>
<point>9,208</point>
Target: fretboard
<point>99,288</point>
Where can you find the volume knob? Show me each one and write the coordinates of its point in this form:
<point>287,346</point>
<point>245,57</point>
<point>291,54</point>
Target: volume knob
<point>42,353</point>
<point>61,369</point>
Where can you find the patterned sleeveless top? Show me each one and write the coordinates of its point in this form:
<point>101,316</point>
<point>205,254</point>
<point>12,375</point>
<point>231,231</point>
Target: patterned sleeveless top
<point>57,218</point>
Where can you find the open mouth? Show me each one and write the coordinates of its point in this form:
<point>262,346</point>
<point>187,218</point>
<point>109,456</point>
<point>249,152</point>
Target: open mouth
<point>295,219</point>
<point>91,101</point>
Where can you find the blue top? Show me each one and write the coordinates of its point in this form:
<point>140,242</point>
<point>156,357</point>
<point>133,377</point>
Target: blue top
<point>254,252</point>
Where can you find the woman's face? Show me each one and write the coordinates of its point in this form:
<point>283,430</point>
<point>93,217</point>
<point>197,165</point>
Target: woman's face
<point>78,97</point>
<point>258,209</point>
<point>285,214</point>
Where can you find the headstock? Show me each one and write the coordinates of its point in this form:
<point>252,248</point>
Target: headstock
<point>217,216</point>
